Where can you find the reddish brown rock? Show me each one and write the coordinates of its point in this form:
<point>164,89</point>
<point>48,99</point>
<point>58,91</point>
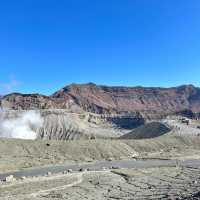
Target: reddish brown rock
<point>17,101</point>
<point>111,100</point>
<point>104,99</point>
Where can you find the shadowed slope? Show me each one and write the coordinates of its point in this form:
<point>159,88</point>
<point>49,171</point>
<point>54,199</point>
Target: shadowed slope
<point>151,130</point>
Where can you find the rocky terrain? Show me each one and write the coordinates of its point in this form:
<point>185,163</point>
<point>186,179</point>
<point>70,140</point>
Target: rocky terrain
<point>164,182</point>
<point>175,182</point>
<point>151,102</point>
<point>114,125</point>
<point>153,183</point>
<point>90,111</point>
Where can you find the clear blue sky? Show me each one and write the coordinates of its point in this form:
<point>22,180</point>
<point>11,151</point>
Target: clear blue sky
<point>46,44</point>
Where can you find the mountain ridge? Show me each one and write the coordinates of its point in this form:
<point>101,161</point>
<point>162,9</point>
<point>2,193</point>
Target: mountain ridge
<point>102,99</point>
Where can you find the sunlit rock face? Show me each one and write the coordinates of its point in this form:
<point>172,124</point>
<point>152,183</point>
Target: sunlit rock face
<point>90,111</point>
<point>110,100</point>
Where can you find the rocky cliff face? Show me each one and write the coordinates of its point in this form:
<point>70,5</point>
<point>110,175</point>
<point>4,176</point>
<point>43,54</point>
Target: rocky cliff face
<point>90,111</point>
<point>111,100</point>
<point>104,99</point>
<point>17,101</point>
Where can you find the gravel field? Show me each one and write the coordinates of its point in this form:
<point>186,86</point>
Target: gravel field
<point>152,183</point>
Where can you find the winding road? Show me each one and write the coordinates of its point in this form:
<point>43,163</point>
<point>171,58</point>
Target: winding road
<point>100,165</point>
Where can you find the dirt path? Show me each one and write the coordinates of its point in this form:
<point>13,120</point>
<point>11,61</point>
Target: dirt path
<point>73,183</point>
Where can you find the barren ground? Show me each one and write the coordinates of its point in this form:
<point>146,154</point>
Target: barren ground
<point>20,154</point>
<point>167,182</point>
<point>152,183</point>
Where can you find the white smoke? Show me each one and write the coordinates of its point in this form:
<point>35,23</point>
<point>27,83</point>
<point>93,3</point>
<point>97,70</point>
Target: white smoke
<point>23,126</point>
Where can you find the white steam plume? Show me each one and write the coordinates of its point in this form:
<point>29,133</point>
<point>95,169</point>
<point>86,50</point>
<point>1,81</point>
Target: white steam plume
<point>23,126</point>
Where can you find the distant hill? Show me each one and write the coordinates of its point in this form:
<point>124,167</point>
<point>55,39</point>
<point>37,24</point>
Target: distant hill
<point>151,130</point>
<point>148,102</point>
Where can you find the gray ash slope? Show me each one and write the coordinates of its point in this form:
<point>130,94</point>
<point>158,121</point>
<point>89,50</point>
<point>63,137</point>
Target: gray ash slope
<point>150,130</point>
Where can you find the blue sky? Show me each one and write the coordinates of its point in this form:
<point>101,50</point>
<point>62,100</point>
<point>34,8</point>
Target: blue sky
<point>46,44</point>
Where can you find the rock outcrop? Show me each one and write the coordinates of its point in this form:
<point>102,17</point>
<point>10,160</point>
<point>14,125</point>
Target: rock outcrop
<point>17,101</point>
